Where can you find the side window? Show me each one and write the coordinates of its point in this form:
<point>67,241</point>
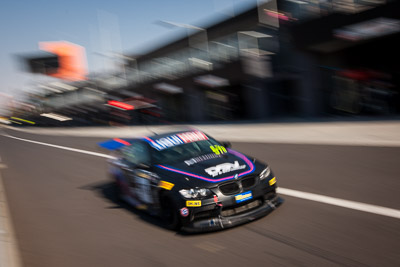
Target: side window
<point>136,153</point>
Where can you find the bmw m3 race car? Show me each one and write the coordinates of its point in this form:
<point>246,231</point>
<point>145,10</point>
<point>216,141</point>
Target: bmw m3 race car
<point>193,182</point>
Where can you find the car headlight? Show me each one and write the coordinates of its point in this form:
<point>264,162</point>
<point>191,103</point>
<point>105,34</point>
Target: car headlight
<point>195,192</point>
<point>264,174</point>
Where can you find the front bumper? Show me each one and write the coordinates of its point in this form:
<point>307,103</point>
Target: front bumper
<point>219,222</point>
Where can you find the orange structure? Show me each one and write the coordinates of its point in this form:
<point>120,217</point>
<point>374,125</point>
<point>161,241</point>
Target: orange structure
<point>71,58</point>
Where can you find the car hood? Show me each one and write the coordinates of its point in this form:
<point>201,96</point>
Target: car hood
<point>209,169</point>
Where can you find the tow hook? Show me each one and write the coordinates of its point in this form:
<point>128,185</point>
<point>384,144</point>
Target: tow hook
<point>269,203</point>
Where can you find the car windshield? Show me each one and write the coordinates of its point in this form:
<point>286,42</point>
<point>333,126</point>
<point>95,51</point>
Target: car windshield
<point>183,152</point>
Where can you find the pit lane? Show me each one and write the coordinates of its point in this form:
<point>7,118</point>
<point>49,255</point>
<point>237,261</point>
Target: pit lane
<point>64,213</point>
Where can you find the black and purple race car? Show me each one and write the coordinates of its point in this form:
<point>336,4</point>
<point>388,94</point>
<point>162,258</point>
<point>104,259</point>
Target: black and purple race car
<point>193,182</point>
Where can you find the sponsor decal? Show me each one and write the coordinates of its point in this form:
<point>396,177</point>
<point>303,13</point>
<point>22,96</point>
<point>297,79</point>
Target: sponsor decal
<point>224,168</point>
<point>272,181</point>
<point>195,136</point>
<point>184,212</point>
<point>216,200</point>
<point>166,142</point>
<point>218,149</point>
<point>212,222</point>
<point>174,140</point>
<point>193,203</point>
<point>243,196</point>
<point>165,185</point>
<point>201,158</point>
<point>214,180</point>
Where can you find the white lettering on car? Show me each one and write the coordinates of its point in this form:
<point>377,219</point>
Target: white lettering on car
<point>166,142</point>
<point>198,159</point>
<point>224,168</point>
<point>189,137</point>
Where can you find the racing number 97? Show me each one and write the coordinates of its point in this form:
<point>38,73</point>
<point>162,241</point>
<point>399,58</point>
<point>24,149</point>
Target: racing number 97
<point>218,149</point>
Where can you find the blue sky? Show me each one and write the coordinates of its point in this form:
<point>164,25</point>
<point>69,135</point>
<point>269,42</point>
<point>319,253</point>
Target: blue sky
<point>102,27</point>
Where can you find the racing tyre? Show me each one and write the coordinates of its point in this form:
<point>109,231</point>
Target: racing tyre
<point>169,213</point>
<point>118,192</point>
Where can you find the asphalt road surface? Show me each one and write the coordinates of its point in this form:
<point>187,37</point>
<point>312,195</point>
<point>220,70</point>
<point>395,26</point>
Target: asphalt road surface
<point>64,213</point>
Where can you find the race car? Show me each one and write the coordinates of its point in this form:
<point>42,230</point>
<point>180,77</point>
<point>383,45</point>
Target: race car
<point>192,181</point>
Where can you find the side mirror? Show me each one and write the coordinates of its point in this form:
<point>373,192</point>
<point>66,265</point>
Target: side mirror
<point>226,144</point>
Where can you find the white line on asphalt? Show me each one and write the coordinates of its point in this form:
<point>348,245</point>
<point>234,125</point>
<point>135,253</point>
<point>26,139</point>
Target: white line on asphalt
<point>341,202</point>
<point>62,147</point>
<point>284,191</point>
<point>2,166</point>
<point>9,253</point>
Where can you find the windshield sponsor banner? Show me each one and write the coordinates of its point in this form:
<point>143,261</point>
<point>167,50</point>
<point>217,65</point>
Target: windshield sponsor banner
<point>189,137</point>
<point>166,142</point>
<point>176,139</point>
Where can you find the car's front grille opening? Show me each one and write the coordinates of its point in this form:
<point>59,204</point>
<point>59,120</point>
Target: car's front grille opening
<point>248,182</point>
<point>205,214</point>
<point>234,187</point>
<point>239,209</point>
<point>230,188</point>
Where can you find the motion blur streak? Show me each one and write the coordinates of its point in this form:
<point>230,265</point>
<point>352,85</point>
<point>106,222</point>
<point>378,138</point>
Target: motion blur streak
<point>19,119</point>
<point>61,147</point>
<point>341,203</point>
<point>122,141</point>
<point>121,105</point>
<point>56,116</point>
<point>284,191</point>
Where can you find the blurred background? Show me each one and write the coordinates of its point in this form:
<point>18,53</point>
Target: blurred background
<point>198,61</point>
<point>116,63</point>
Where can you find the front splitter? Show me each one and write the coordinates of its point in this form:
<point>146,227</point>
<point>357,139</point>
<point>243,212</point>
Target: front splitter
<point>219,223</point>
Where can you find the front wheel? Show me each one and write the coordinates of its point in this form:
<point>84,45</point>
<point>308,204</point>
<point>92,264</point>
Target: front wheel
<point>169,213</point>
<point>118,191</point>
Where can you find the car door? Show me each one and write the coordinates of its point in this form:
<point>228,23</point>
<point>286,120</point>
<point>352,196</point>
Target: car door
<point>141,180</point>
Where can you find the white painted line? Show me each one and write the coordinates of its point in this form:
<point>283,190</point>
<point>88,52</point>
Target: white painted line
<point>342,203</point>
<point>350,133</point>
<point>62,147</point>
<point>9,253</point>
<point>284,191</point>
